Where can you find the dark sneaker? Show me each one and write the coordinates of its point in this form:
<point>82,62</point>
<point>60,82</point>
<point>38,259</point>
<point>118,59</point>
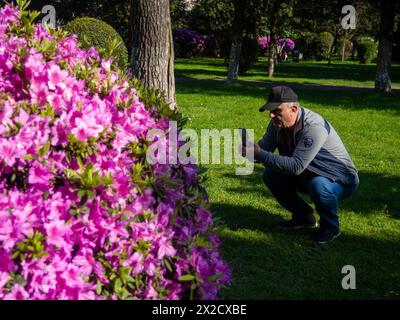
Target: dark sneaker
<point>295,224</point>
<point>328,235</point>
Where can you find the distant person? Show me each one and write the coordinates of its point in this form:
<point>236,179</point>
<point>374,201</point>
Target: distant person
<point>283,56</point>
<point>312,160</point>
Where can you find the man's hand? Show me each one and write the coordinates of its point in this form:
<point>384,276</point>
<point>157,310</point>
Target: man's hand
<point>251,147</point>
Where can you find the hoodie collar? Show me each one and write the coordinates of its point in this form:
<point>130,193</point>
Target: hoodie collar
<point>299,122</point>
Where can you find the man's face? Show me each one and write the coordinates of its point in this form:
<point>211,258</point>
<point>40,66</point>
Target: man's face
<point>284,116</point>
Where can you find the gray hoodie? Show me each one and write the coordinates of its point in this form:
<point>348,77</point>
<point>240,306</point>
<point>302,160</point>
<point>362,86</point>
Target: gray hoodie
<point>317,147</point>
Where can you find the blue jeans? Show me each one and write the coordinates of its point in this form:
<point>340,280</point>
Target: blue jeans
<point>324,193</point>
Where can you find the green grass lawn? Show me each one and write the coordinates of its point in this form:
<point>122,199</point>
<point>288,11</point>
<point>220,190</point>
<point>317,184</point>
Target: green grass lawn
<point>272,264</point>
<point>338,73</point>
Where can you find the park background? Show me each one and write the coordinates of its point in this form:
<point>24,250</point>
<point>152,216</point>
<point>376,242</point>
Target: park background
<point>334,76</point>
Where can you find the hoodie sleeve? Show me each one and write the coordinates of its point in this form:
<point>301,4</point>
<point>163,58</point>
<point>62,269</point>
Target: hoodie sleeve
<point>311,141</point>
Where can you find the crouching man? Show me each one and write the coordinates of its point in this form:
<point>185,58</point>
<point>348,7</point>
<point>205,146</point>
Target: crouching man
<point>312,159</point>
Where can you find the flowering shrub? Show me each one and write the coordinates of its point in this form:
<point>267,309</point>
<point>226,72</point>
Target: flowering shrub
<point>287,44</point>
<point>210,47</point>
<point>283,44</point>
<point>83,215</point>
<point>263,43</point>
<point>187,43</point>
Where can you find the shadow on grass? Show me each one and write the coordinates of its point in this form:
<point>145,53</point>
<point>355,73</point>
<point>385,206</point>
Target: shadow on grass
<point>245,217</point>
<point>200,62</point>
<point>268,263</point>
<point>344,72</point>
<point>352,72</point>
<point>199,72</point>
<point>288,265</point>
<point>376,193</point>
<point>352,99</point>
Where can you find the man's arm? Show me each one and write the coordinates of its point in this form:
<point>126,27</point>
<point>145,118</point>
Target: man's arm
<point>268,141</point>
<point>311,141</point>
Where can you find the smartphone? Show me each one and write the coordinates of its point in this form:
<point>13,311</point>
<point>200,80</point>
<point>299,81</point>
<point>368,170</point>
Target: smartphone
<point>244,136</point>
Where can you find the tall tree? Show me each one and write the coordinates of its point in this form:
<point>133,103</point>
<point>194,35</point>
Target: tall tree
<point>274,33</point>
<point>152,52</point>
<point>245,24</point>
<point>382,79</point>
<point>237,35</point>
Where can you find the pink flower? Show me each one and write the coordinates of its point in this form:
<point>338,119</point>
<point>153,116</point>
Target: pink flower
<point>56,77</point>
<point>4,277</point>
<point>56,231</point>
<point>6,263</point>
<point>72,277</point>
<point>39,93</point>
<point>85,128</point>
<point>9,151</point>
<point>56,101</point>
<point>33,65</point>
<point>135,261</point>
<point>203,218</point>
<point>165,249</point>
<point>143,217</point>
<point>151,293</point>
<point>9,15</point>
<point>18,292</point>
<point>39,174</point>
<point>106,64</point>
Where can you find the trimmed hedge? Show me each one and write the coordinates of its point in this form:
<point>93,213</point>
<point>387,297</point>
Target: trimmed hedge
<point>366,49</point>
<point>97,33</point>
<point>322,45</point>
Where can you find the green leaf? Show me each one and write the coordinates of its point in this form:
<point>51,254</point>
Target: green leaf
<point>99,287</point>
<point>83,200</point>
<point>81,193</point>
<point>117,285</point>
<point>28,156</point>
<point>187,277</point>
<point>212,279</point>
<point>90,194</point>
<point>168,265</point>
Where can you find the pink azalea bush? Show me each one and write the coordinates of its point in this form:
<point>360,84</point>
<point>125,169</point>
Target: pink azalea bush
<point>285,44</point>
<point>82,214</point>
<point>263,43</point>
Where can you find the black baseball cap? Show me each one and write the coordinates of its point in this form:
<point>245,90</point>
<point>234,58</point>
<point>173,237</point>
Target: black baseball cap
<point>278,95</point>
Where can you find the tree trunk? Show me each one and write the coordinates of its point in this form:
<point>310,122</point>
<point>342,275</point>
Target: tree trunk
<point>271,59</point>
<point>273,37</point>
<point>343,49</point>
<point>152,53</point>
<point>382,79</point>
<point>234,58</point>
<point>332,48</point>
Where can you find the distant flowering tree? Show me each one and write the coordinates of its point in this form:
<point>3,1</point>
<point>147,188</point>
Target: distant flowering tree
<point>283,44</point>
<point>83,215</point>
<point>187,43</point>
<point>211,47</point>
<point>263,43</point>
<point>288,44</point>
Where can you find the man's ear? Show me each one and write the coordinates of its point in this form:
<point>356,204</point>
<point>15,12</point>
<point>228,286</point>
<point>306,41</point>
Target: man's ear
<point>294,107</point>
